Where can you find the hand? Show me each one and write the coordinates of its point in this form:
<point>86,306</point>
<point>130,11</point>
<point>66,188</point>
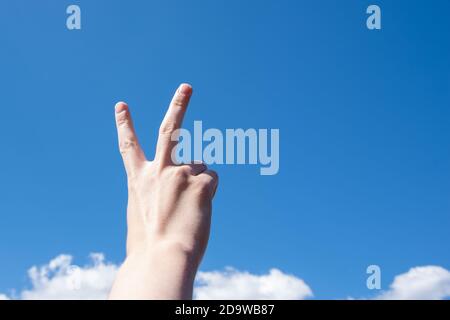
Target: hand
<point>169,211</point>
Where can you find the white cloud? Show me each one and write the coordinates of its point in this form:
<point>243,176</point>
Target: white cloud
<point>233,284</point>
<point>420,283</point>
<point>62,280</point>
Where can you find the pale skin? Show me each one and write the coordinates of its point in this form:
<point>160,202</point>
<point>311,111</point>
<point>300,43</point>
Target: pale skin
<point>169,211</point>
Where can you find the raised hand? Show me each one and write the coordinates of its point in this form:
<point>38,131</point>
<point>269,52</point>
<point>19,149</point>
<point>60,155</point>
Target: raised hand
<point>169,211</point>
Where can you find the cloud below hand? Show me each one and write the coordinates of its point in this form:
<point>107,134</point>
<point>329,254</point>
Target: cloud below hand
<point>234,284</point>
<point>61,279</point>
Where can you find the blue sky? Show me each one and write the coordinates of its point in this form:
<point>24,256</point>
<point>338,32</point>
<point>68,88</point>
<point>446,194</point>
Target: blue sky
<point>364,119</point>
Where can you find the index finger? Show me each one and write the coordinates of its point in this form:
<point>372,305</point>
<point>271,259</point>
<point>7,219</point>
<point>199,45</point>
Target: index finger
<point>171,122</point>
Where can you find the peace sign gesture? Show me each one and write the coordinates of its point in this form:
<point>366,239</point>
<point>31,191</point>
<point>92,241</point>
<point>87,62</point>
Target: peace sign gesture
<point>169,210</point>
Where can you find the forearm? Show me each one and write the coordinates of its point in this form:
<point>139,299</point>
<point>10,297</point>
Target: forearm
<point>156,273</point>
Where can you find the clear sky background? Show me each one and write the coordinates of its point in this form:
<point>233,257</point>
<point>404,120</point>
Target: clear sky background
<point>364,119</point>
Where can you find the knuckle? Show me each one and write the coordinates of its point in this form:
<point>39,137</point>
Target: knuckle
<point>212,177</point>
<point>203,191</point>
<point>181,173</point>
<point>204,183</point>
<point>179,101</point>
<point>126,144</point>
<point>168,127</point>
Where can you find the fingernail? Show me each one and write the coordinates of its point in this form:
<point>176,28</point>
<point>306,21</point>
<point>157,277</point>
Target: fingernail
<point>185,89</point>
<point>120,106</point>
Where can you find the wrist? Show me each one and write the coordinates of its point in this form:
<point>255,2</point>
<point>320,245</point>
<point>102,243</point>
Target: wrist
<point>161,272</point>
<point>170,255</point>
